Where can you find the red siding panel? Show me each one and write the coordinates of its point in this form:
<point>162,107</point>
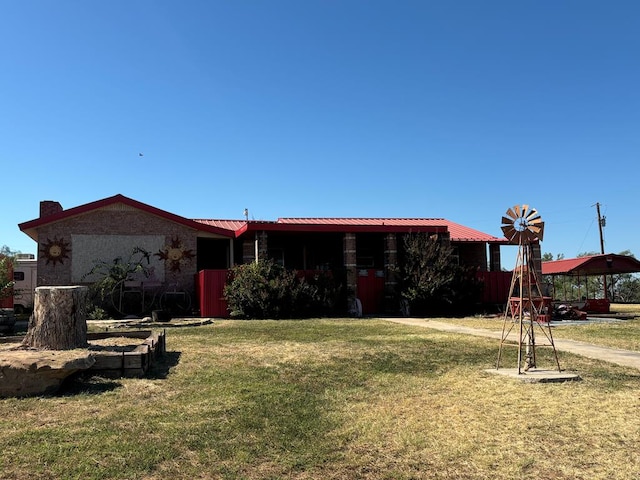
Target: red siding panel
<point>210,285</point>
<point>371,290</point>
<point>496,287</point>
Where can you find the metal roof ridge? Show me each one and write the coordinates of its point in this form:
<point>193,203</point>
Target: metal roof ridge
<point>361,218</point>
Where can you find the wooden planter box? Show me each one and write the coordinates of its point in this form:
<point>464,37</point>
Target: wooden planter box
<point>128,363</point>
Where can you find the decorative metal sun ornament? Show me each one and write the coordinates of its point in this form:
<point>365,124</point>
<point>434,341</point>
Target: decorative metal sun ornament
<point>55,250</point>
<point>175,254</point>
<point>522,225</point>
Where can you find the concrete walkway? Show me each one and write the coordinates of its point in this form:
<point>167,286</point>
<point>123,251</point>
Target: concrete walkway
<point>627,358</point>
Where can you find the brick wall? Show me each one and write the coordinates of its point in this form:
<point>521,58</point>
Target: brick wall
<point>49,207</point>
<point>390,273</point>
<point>116,220</point>
<point>350,264</point>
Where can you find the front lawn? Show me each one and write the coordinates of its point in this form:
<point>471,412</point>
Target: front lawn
<point>328,399</point>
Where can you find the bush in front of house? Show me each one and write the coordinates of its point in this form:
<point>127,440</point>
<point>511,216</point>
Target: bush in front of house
<point>265,289</point>
<point>431,280</point>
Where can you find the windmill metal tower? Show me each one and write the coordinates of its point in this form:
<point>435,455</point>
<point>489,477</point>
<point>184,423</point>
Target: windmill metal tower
<point>526,309</point>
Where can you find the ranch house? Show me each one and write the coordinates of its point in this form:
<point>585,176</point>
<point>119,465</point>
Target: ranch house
<point>191,257</point>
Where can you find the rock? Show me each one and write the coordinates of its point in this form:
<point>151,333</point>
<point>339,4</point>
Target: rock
<point>37,372</point>
<point>160,316</point>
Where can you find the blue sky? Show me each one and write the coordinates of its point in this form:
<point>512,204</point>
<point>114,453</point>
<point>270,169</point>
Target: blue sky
<point>454,109</point>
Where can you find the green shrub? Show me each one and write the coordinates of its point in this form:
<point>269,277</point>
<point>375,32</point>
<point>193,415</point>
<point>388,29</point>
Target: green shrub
<point>265,289</point>
<point>7,257</point>
<point>431,280</point>
<point>97,313</point>
<point>107,276</point>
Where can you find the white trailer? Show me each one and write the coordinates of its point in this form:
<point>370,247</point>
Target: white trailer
<point>25,271</point>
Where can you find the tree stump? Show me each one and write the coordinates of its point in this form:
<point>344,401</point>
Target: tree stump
<point>59,320</point>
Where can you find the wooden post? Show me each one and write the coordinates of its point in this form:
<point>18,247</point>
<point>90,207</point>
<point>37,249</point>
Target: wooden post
<point>59,320</point>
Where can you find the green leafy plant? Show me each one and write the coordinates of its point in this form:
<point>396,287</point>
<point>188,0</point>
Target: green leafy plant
<point>265,289</point>
<point>431,281</point>
<point>111,273</point>
<point>7,259</point>
<point>97,313</point>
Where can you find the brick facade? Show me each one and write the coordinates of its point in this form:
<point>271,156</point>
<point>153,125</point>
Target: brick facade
<point>48,207</point>
<point>350,264</point>
<point>116,221</point>
<point>390,273</point>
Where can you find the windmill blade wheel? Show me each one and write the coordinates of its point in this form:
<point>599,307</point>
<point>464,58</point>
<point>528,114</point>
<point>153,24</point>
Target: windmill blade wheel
<point>522,224</point>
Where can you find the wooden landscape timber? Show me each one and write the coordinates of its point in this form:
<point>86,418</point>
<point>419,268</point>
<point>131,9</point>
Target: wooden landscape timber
<point>26,372</point>
<point>131,360</point>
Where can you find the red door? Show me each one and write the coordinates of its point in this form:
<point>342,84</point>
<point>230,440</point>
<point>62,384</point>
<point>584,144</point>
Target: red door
<point>210,285</point>
<point>371,290</point>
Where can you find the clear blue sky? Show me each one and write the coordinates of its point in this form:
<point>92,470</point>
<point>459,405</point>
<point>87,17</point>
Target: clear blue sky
<point>454,109</point>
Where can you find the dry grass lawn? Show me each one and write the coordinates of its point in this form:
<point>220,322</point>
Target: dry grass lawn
<point>609,333</point>
<point>328,399</point>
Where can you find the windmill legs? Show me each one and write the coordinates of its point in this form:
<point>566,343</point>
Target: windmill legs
<point>524,309</point>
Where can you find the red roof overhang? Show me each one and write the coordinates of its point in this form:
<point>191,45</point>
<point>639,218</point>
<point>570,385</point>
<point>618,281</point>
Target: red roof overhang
<point>30,227</point>
<point>335,228</point>
<point>458,233</point>
<point>236,228</point>
<point>607,264</point>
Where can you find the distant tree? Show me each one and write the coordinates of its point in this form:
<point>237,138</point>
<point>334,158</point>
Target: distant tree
<point>553,285</point>
<point>7,260</point>
<point>548,257</point>
<point>624,287</point>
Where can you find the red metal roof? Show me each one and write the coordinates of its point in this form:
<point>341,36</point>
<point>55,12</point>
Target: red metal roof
<point>231,228</point>
<point>592,265</point>
<point>232,225</point>
<point>458,233</point>
<point>396,222</point>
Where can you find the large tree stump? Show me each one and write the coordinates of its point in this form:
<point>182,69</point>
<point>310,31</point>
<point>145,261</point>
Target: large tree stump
<point>59,320</point>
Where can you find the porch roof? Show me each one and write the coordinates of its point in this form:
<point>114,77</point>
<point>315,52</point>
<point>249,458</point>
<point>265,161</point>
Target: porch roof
<point>457,232</point>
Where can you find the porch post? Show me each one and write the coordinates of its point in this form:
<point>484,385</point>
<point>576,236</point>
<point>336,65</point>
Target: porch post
<point>536,255</point>
<point>350,266</point>
<point>494,257</point>
<point>261,245</point>
<point>249,250</point>
<point>390,273</point>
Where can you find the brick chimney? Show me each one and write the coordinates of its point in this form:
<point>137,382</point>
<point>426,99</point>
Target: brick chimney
<point>49,207</point>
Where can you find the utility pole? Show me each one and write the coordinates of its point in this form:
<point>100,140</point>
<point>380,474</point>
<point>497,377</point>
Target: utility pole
<point>602,221</point>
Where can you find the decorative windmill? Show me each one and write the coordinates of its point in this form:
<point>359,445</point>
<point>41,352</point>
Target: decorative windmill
<point>526,308</point>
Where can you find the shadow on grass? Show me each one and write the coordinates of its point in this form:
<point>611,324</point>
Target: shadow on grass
<point>85,383</point>
<point>163,365</point>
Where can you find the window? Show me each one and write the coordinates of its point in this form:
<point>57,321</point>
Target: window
<point>277,255</point>
<point>18,276</point>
